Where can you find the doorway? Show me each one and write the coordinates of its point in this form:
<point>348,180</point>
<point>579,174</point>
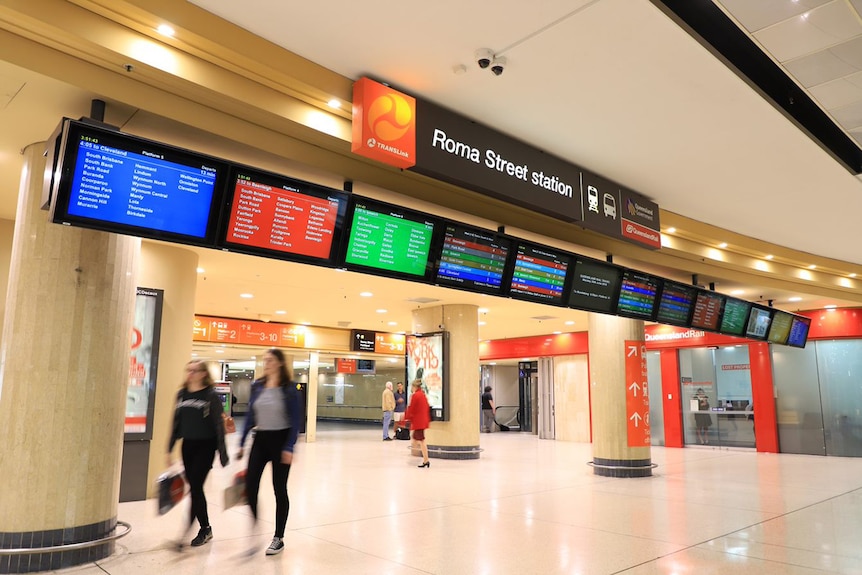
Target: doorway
<point>717,400</point>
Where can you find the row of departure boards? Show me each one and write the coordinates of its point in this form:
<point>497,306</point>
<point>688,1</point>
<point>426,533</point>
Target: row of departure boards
<point>107,180</point>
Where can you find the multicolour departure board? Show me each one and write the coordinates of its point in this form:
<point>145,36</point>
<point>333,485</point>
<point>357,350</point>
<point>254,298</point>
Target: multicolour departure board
<point>539,273</point>
<point>675,303</point>
<point>638,292</point>
<point>473,259</point>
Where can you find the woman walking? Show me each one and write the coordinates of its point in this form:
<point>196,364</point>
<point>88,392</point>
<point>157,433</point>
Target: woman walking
<point>419,416</point>
<point>198,422</point>
<point>275,410</point>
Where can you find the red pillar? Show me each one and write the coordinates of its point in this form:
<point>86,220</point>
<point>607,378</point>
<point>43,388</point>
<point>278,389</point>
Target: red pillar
<point>763,396</point>
<point>670,398</point>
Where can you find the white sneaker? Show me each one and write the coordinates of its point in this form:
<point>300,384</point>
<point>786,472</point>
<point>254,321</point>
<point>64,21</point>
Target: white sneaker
<point>276,547</point>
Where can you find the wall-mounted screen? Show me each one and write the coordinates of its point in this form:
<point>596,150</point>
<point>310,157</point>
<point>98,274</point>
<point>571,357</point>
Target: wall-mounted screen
<point>595,286</point>
<point>389,240</point>
<point>779,329</point>
<point>675,303</point>
<point>759,321</point>
<point>123,184</point>
<point>638,293</point>
<point>473,259</point>
<point>279,217</point>
<point>734,317</point>
<point>539,273</point>
<point>799,331</point>
<point>707,310</point>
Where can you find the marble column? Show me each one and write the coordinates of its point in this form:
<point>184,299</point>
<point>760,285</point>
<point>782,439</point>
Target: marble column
<point>64,370</point>
<point>615,453</point>
<point>457,438</point>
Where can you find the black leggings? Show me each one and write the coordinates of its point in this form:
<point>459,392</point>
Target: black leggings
<point>267,448</point>
<point>198,457</point>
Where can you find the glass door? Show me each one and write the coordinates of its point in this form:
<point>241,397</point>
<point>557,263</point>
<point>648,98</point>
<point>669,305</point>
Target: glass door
<point>716,392</point>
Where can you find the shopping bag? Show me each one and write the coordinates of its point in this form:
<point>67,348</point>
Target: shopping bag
<point>172,489</point>
<point>229,424</point>
<point>234,494</point>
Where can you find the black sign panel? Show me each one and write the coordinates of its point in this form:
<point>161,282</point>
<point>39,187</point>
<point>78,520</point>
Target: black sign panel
<point>362,340</point>
<point>451,148</point>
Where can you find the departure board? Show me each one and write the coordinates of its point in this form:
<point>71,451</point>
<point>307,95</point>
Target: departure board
<point>594,286</point>
<point>707,310</point>
<point>124,184</point>
<point>779,330</point>
<point>758,323</point>
<point>675,303</point>
<point>472,259</point>
<point>735,316</point>
<point>386,238</point>
<point>799,331</point>
<point>638,292</point>
<point>277,216</point>
<point>539,274</point>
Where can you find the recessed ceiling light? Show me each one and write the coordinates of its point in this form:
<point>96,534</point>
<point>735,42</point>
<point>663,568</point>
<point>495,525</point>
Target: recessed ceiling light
<point>219,351</point>
<point>392,323</point>
<point>670,230</point>
<point>737,292</point>
<point>246,295</point>
<point>852,275</point>
<point>794,298</point>
<point>280,312</point>
<point>165,30</point>
<point>812,267</point>
<point>334,103</point>
<point>483,310</point>
<point>483,323</point>
<point>570,322</point>
<point>381,310</point>
<point>557,332</point>
<point>768,256</point>
<point>366,294</point>
<point>200,270</point>
<point>722,245</point>
<point>306,323</point>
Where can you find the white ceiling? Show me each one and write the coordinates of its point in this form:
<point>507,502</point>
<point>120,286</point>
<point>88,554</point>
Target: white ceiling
<point>612,85</point>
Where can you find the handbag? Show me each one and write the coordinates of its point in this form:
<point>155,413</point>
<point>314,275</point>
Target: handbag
<point>172,489</point>
<point>229,424</point>
<point>235,494</point>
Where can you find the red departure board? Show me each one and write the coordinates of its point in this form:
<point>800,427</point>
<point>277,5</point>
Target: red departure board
<point>277,214</point>
<point>707,310</point>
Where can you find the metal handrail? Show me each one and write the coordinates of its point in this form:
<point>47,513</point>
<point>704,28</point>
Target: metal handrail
<point>71,546</point>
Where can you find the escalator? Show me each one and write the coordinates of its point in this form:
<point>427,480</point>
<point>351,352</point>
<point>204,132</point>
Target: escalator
<point>507,417</point>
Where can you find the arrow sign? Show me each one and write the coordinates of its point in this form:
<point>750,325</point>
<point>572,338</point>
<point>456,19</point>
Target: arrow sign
<point>637,398</point>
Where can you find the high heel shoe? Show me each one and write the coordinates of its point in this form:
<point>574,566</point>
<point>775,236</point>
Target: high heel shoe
<point>426,464</point>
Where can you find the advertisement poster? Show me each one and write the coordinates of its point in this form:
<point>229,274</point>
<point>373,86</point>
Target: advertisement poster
<point>426,360</point>
<point>143,363</point>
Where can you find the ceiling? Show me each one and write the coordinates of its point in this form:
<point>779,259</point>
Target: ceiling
<point>613,85</point>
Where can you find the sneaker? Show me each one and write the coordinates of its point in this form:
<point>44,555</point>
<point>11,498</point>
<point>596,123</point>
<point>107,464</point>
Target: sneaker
<point>277,546</point>
<point>387,439</point>
<point>204,535</point>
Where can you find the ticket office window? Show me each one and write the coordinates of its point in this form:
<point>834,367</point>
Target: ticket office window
<point>716,392</point>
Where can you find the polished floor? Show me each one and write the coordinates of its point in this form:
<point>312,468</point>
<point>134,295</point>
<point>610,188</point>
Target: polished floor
<point>528,506</point>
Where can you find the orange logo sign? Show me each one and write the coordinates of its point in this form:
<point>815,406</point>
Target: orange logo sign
<point>384,124</point>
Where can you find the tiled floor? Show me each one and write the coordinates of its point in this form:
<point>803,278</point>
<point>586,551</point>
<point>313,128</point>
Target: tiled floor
<point>528,506</point>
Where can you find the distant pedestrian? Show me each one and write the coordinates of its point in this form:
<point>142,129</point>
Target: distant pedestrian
<point>488,410</point>
<point>388,409</point>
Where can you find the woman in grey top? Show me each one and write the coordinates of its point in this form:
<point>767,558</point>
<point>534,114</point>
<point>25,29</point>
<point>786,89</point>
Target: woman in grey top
<point>275,409</point>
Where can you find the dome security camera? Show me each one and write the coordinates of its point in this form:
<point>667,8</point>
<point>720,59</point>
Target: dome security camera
<point>484,57</point>
<point>498,65</point>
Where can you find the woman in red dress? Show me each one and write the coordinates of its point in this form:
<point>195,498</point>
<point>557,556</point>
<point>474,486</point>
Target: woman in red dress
<point>419,416</point>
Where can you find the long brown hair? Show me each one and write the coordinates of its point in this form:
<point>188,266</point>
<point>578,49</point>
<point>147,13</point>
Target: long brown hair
<point>285,375</point>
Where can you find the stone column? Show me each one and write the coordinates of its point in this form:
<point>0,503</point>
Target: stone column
<point>613,456</point>
<point>64,367</point>
<point>457,438</point>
